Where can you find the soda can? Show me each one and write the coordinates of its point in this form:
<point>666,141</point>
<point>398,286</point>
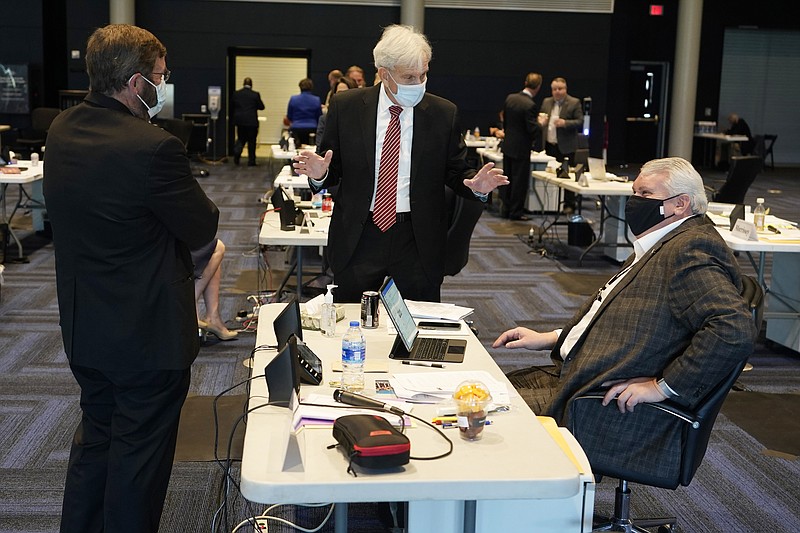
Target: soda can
<point>369,309</point>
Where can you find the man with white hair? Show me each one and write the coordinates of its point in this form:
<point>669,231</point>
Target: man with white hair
<point>671,324</point>
<point>390,150</point>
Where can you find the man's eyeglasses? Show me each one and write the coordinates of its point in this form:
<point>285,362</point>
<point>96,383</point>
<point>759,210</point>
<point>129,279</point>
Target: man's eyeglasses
<point>164,75</point>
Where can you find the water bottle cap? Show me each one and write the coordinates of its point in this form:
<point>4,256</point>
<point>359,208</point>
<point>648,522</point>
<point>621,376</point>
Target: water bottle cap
<point>354,323</point>
<point>759,200</point>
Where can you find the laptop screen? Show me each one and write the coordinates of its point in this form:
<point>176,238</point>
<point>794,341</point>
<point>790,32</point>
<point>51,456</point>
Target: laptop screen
<point>597,168</point>
<point>399,314</point>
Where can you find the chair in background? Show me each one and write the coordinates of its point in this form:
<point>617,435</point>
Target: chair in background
<point>464,214</point>
<point>182,129</point>
<point>30,140</point>
<point>741,174</point>
<point>769,141</point>
<point>591,422</point>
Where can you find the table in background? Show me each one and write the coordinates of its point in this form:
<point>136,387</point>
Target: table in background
<point>709,142</point>
<point>613,232</point>
<point>287,178</point>
<point>537,200</point>
<point>317,236</point>
<point>34,200</point>
<point>517,478</point>
<point>783,294</point>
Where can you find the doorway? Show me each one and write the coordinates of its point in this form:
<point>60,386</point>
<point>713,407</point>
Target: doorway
<point>647,110</point>
<point>275,74</point>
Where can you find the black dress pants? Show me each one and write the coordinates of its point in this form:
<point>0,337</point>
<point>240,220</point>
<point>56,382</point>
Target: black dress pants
<point>122,451</point>
<point>519,173</point>
<point>247,135</point>
<point>378,254</point>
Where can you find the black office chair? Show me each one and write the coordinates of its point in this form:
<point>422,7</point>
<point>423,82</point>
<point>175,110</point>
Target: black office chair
<point>741,174</point>
<point>30,140</point>
<point>182,129</point>
<point>464,214</point>
<point>595,424</point>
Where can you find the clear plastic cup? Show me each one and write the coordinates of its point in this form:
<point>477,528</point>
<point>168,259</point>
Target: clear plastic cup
<point>471,398</point>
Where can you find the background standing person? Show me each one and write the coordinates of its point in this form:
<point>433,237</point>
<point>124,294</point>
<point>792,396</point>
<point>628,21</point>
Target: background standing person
<point>521,135</point>
<point>389,215</point>
<point>125,211</point>
<point>562,125</point>
<point>303,113</point>
<point>342,84</point>
<point>246,105</point>
<point>356,74</point>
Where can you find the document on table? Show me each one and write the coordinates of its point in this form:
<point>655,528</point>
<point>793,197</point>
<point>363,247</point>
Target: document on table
<point>326,410</point>
<point>434,387</point>
<point>438,310</point>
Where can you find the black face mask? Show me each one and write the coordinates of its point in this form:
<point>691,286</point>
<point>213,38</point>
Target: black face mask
<point>642,213</point>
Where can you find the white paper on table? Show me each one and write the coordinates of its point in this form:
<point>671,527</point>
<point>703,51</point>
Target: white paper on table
<point>438,386</point>
<point>437,310</point>
<point>314,415</point>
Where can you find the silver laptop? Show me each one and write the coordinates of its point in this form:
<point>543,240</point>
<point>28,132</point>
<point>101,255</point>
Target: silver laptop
<point>597,168</point>
<point>408,344</point>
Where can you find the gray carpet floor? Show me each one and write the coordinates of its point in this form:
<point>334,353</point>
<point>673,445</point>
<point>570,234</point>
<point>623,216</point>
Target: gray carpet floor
<point>739,487</point>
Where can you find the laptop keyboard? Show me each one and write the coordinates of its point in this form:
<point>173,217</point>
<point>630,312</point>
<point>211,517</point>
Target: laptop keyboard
<point>430,349</point>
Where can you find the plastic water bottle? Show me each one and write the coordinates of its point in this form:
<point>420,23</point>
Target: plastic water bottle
<point>759,213</point>
<point>354,351</point>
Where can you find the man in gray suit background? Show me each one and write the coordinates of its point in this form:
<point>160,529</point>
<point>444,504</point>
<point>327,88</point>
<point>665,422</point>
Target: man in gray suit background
<point>671,324</point>
<point>562,121</point>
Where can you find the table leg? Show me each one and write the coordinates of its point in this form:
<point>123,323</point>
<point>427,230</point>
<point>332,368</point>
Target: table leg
<point>340,518</point>
<point>299,255</point>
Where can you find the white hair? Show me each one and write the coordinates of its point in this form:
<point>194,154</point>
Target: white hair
<point>404,46</point>
<point>680,177</point>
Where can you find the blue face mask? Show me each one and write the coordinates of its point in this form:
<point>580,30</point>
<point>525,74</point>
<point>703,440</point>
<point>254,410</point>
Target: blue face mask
<point>408,95</point>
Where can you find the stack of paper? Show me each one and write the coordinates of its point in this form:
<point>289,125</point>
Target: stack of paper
<point>434,387</point>
<point>326,410</point>
<point>439,311</point>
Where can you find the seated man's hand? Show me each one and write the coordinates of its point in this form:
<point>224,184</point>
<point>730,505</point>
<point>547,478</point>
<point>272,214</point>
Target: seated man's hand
<point>526,338</point>
<point>631,392</point>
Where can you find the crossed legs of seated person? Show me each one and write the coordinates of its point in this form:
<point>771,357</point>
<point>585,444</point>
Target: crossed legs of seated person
<point>208,273</point>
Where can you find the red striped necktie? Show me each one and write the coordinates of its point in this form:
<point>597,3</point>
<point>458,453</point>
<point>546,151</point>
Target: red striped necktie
<point>384,213</point>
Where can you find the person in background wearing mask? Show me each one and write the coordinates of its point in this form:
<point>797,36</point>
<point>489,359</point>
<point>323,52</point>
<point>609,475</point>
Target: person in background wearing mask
<point>670,324</point>
<point>125,211</point>
<point>389,216</point>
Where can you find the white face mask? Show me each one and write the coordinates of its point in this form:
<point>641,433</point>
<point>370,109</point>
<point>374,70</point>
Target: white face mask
<point>408,95</point>
<point>161,96</point>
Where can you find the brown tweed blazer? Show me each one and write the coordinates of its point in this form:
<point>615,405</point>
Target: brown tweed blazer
<point>679,315</point>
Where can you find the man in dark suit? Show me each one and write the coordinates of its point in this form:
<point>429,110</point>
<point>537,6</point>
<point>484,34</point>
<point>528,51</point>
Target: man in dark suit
<point>393,223</point>
<point>125,211</point>
<point>562,121</point>
<point>671,324</point>
<point>521,135</point>
<point>246,104</point>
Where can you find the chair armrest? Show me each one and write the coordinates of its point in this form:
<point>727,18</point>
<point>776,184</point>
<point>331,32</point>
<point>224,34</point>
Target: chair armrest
<point>666,406</point>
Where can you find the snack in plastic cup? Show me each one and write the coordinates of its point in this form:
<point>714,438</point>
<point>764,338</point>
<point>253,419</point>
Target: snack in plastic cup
<point>471,399</point>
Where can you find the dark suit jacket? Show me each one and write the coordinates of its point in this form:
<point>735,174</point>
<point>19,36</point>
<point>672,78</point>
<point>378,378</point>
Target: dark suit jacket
<point>678,315</point>
<point>572,112</point>
<point>437,160</point>
<point>125,210</point>
<point>246,103</point>
<point>520,126</point>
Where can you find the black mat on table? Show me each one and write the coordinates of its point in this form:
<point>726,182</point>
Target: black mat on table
<point>772,419</point>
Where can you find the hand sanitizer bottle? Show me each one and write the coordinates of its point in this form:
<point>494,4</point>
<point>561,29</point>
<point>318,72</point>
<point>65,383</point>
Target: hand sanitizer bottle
<point>327,318</point>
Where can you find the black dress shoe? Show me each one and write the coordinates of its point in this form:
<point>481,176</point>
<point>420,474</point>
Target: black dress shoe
<point>236,161</point>
<point>252,165</point>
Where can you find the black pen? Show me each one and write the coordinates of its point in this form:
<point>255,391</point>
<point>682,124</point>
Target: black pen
<point>773,229</point>
<point>423,363</point>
